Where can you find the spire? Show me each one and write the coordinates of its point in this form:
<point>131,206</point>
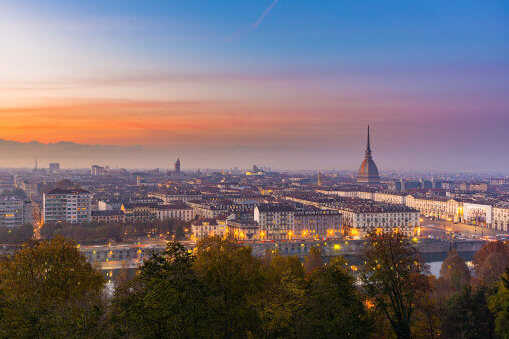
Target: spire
<point>368,146</point>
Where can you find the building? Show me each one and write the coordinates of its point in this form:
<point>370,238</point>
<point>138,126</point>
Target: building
<point>243,230</point>
<point>15,213</point>
<point>98,170</point>
<point>6,181</point>
<point>54,167</point>
<point>111,204</point>
<point>168,198</point>
<point>177,166</point>
<point>71,206</point>
<point>351,193</point>
<point>108,216</point>
<point>436,207</point>
<point>361,217</point>
<point>30,187</point>
<point>203,228</point>
<point>477,212</point>
<point>208,209</point>
<point>500,219</point>
<point>368,172</point>
<point>275,220</point>
<point>320,179</point>
<point>406,185</point>
<point>140,211</point>
<point>390,198</point>
<point>175,211</point>
<point>315,223</point>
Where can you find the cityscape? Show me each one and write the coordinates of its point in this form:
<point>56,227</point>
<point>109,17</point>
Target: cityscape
<point>217,181</point>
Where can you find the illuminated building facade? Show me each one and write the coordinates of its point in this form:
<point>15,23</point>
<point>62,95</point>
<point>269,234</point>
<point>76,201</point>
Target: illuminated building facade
<point>275,220</point>
<point>501,217</point>
<point>314,223</point>
<point>14,212</point>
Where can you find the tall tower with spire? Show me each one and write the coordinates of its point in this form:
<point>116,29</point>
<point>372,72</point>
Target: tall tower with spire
<point>368,172</point>
<point>177,166</point>
<point>320,179</point>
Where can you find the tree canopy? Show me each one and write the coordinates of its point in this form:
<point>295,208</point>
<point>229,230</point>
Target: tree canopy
<point>393,275</point>
<point>49,290</point>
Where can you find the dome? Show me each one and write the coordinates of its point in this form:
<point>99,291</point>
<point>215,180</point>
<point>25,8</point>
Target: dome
<point>368,172</point>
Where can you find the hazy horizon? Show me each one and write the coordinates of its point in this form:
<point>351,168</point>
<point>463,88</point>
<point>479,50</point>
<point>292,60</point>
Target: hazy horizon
<point>73,155</point>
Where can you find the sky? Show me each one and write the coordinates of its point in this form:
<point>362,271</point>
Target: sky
<point>281,83</point>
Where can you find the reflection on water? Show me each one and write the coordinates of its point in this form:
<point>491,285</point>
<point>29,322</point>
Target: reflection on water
<point>435,260</point>
<point>435,266</point>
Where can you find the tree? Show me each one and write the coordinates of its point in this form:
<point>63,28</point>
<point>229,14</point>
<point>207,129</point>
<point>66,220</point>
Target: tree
<point>333,307</point>
<point>499,306</point>
<point>492,267</point>
<point>166,299</point>
<point>49,290</point>
<point>393,273</point>
<point>313,260</point>
<point>426,318</point>
<point>16,235</point>
<point>66,184</point>
<point>17,193</point>
<point>467,315</point>
<point>233,276</point>
<point>454,272</point>
<point>280,301</point>
<point>491,260</point>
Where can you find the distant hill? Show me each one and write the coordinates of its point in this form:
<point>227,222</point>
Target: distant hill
<point>69,154</point>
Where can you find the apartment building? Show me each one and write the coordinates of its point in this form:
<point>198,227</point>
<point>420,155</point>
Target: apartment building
<point>315,223</point>
<point>175,211</point>
<point>140,211</point>
<point>14,212</point>
<point>71,206</point>
<point>436,207</point>
<point>500,219</point>
<point>389,197</point>
<point>275,220</point>
<point>202,228</point>
<point>108,216</point>
<point>361,217</point>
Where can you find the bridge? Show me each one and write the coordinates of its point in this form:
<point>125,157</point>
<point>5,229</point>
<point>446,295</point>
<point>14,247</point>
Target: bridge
<point>113,256</point>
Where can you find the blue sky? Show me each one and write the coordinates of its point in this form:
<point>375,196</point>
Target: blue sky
<point>310,73</point>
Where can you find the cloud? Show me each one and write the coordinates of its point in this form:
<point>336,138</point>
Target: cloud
<point>237,34</point>
<point>260,19</point>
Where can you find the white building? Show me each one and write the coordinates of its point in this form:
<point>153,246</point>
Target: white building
<point>349,193</point>
<point>500,219</point>
<point>391,198</point>
<point>441,208</point>
<point>176,211</point>
<point>477,213</point>
<point>360,219</point>
<point>71,206</point>
<point>203,228</point>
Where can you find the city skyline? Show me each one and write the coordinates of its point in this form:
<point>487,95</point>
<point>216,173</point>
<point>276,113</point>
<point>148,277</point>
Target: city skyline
<point>279,83</point>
